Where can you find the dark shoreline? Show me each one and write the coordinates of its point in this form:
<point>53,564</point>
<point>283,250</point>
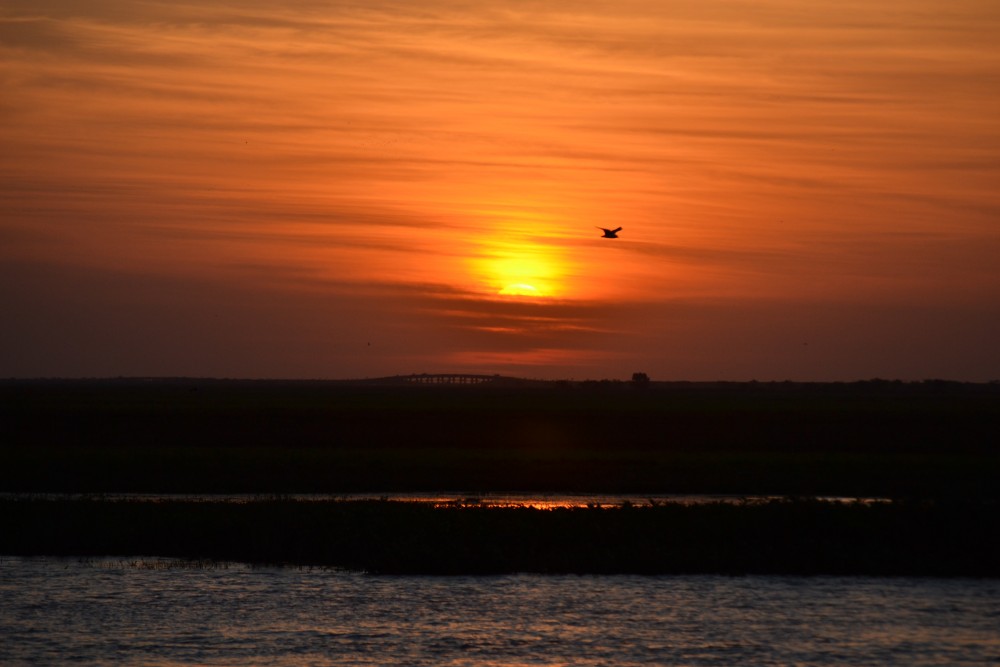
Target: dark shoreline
<point>931,447</point>
<point>804,537</point>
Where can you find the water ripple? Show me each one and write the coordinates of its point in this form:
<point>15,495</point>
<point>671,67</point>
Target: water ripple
<point>101,612</point>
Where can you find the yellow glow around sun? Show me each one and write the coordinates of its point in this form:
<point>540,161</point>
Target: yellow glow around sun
<point>509,268</point>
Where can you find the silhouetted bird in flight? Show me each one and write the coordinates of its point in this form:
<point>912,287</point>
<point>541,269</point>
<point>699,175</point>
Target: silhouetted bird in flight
<point>610,233</point>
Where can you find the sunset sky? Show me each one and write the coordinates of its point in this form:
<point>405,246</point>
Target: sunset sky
<point>328,189</point>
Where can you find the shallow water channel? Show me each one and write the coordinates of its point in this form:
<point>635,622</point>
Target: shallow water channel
<point>58,611</point>
<point>449,498</point>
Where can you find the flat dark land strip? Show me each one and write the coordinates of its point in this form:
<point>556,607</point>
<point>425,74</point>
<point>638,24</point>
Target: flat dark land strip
<point>780,537</point>
<point>930,439</point>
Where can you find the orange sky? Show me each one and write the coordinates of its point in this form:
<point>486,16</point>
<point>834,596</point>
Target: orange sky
<point>808,191</point>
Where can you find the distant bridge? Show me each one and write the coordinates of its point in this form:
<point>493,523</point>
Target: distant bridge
<point>448,378</point>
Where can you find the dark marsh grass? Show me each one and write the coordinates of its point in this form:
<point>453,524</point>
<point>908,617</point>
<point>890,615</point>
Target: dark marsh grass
<point>201,436</point>
<point>929,446</point>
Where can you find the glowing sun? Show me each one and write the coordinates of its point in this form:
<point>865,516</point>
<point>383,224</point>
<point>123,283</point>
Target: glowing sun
<point>519,289</point>
<point>528,270</point>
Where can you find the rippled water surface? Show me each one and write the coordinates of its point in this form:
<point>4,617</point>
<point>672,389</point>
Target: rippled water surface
<point>163,613</point>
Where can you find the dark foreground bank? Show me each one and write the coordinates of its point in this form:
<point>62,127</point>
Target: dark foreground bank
<point>780,537</point>
<point>885,439</point>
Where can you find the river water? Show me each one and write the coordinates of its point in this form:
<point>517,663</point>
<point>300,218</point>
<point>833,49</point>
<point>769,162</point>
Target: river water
<point>536,500</point>
<point>153,612</point>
